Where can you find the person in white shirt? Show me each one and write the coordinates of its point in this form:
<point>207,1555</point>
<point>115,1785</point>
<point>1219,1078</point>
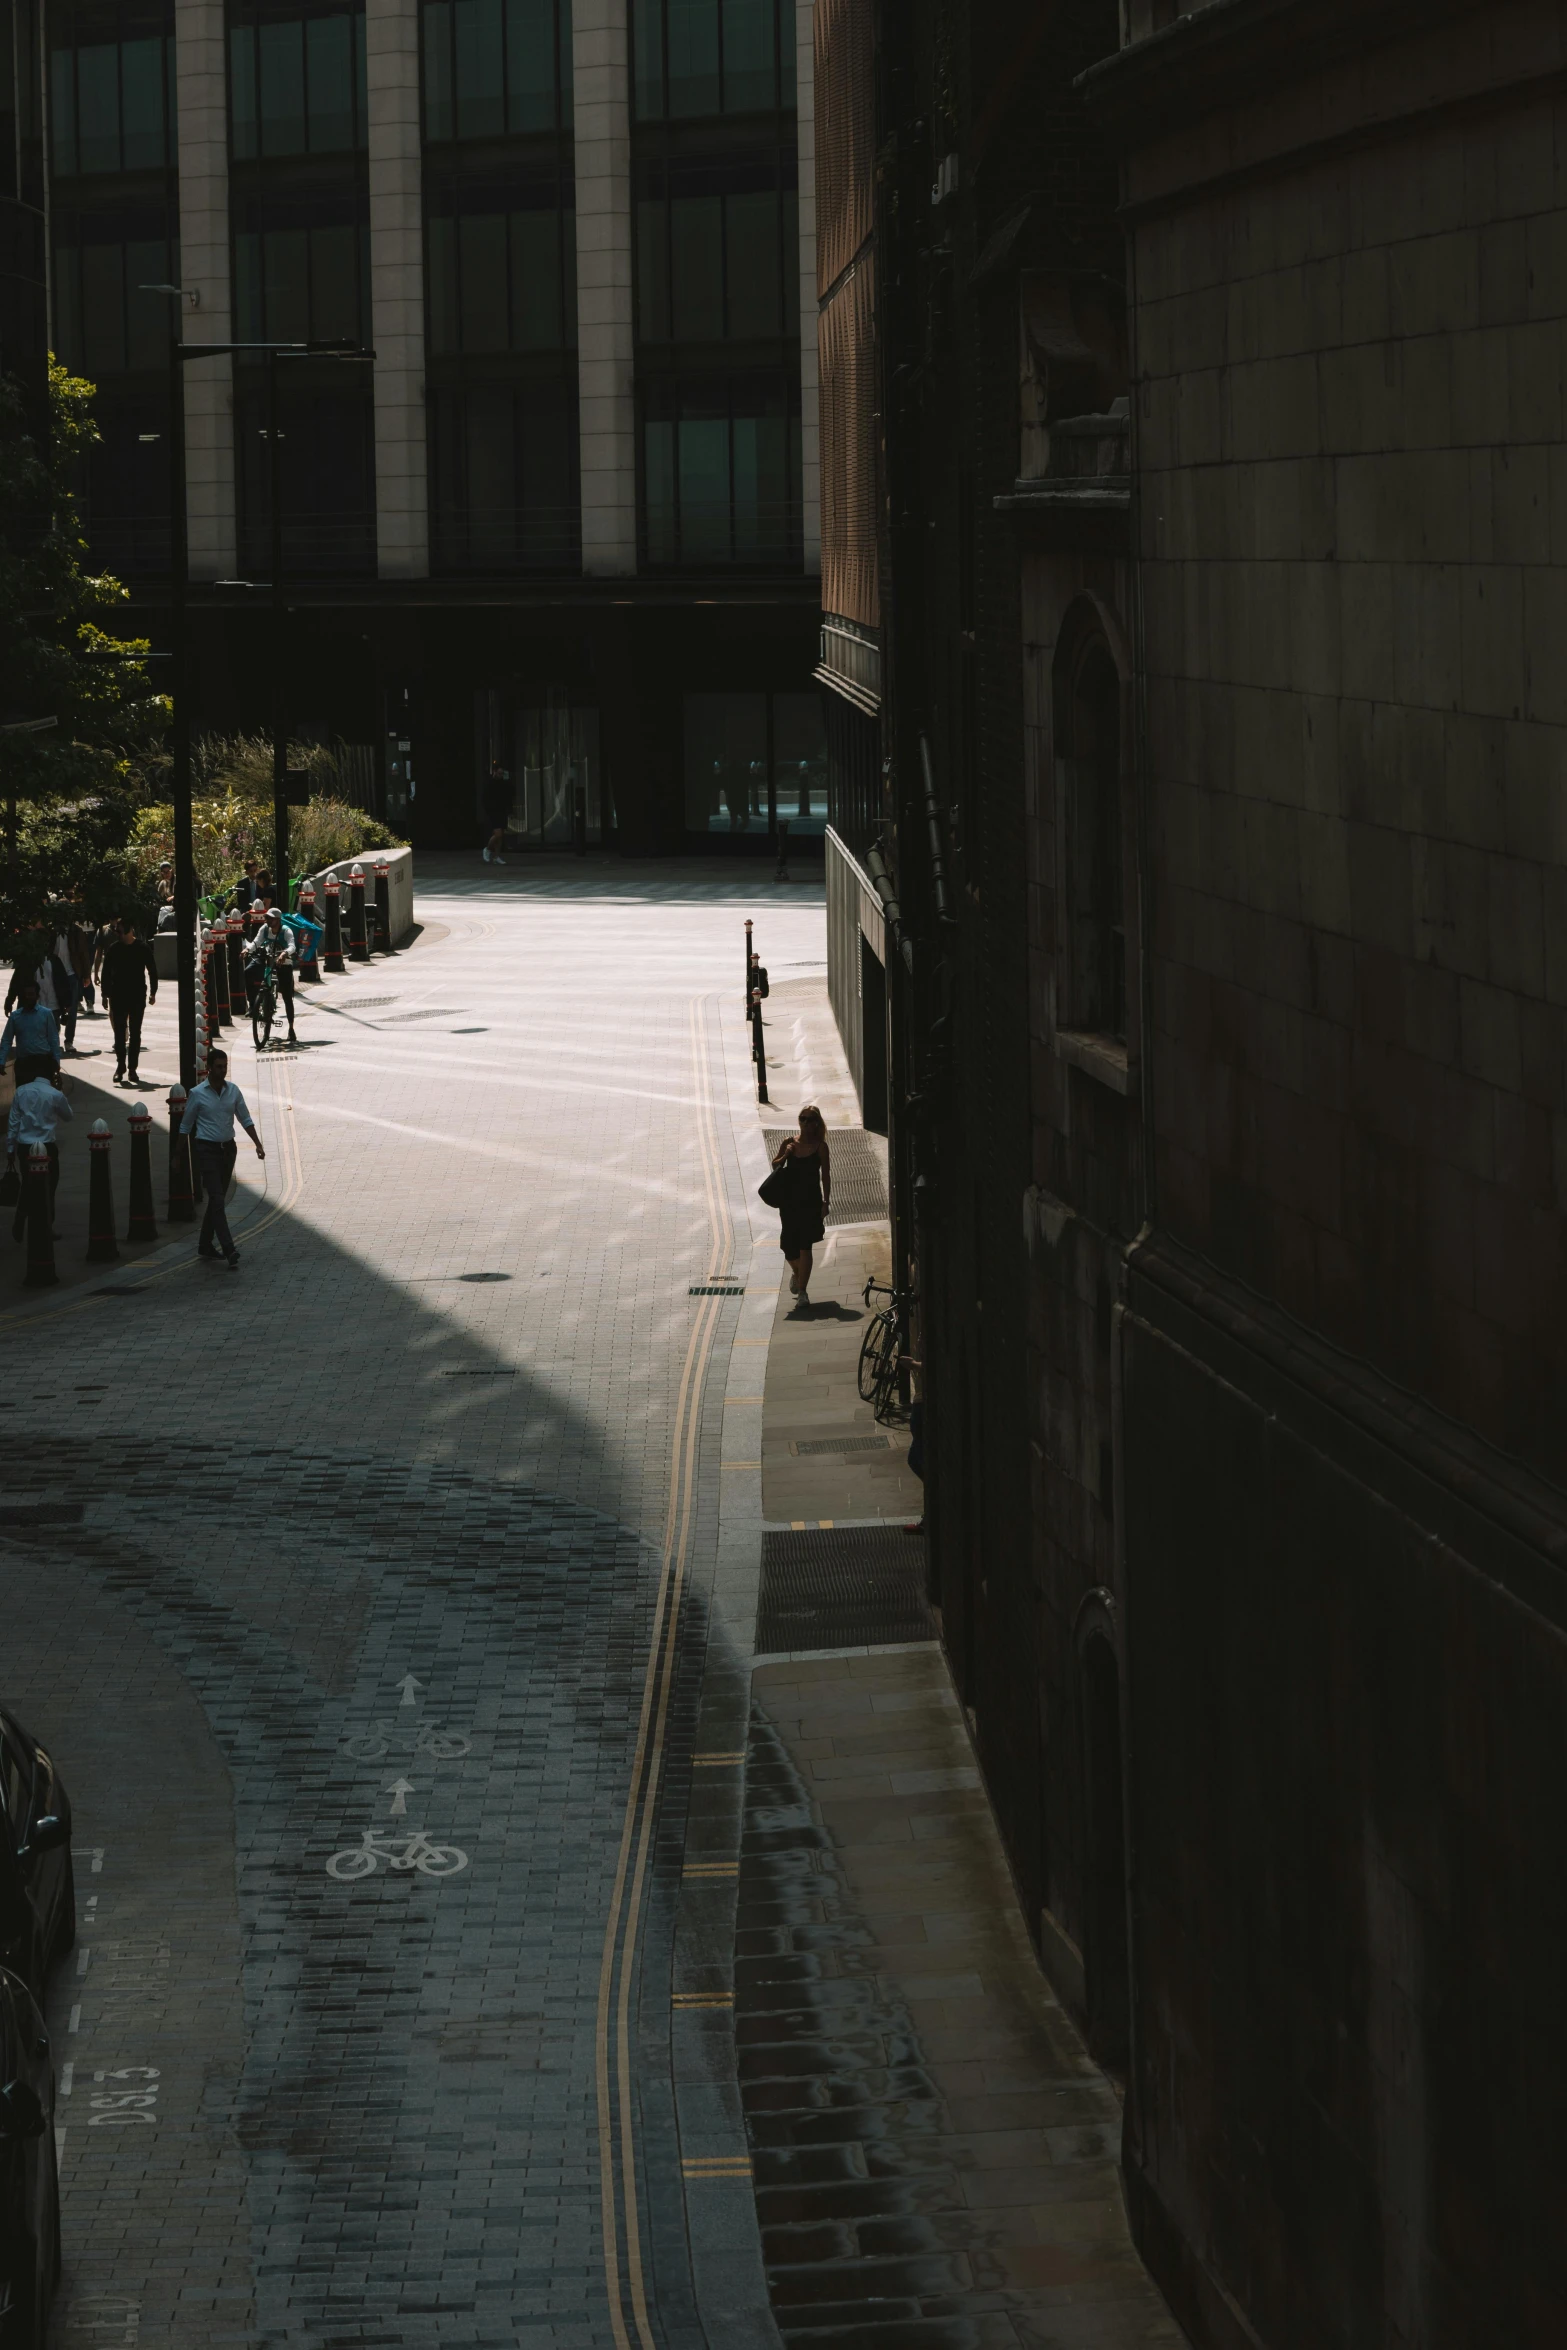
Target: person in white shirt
<point>209,1116</point>
<point>37,1109</point>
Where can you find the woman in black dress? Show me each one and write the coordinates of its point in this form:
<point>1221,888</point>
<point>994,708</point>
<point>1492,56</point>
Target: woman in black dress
<point>806,1164</point>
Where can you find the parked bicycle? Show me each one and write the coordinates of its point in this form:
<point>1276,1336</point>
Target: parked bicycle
<point>884,1350</point>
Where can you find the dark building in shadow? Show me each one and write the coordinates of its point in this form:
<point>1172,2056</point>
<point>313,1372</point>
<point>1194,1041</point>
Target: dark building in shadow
<point>1195,785</point>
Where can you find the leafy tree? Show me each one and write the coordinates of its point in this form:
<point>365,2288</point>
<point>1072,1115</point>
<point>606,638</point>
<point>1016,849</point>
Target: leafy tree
<point>69,794</point>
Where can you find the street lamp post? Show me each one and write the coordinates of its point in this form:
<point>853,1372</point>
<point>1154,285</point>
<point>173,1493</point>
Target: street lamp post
<point>179,596</point>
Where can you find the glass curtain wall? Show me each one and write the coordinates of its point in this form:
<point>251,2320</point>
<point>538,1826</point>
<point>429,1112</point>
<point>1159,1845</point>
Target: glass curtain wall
<point>300,222</point>
<point>501,285</point>
<point>754,761</point>
<point>545,745</point>
<point>717,313</point>
<point>115,214</point>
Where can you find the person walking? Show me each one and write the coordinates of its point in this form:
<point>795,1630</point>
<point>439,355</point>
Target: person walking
<point>497,811</point>
<point>32,1031</point>
<point>273,944</point>
<point>805,1164</point>
<point>248,888</point>
<point>81,938</point>
<point>38,1107</point>
<point>209,1116</point>
<point>129,974</point>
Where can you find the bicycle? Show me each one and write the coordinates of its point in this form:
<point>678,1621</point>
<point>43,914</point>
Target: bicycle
<point>883,1349</point>
<point>263,1003</point>
<point>402,1852</point>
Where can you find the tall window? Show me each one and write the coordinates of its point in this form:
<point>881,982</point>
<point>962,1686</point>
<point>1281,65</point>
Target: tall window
<point>114,221</point>
<point>703,57</point>
<point>501,285</point>
<point>299,215</point>
<point>496,68</point>
<point>716,251</point>
<point>1088,734</point>
<point>720,466</point>
<point>297,84</point>
<point>112,106</point>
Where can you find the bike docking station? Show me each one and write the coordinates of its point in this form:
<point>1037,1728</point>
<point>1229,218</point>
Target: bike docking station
<point>402,1850</point>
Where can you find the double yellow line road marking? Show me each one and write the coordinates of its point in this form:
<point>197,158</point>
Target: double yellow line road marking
<point>623,2269</point>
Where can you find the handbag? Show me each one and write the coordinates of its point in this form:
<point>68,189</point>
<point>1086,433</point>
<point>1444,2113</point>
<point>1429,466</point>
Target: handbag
<point>773,1192</point>
<point>10,1188</point>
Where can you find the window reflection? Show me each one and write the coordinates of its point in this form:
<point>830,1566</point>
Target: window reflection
<point>706,57</point>
<point>547,747</point>
<point>298,87</point>
<point>112,106</point>
<point>496,68</point>
<point>755,760</point>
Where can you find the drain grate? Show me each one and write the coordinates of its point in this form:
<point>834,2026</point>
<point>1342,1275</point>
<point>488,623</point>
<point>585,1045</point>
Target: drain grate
<point>445,1012</point>
<point>362,1003</point>
<point>810,1444</point>
<point>714,1289</point>
<point>859,1172</point>
<point>478,1374</point>
<point>852,1587</point>
<point>41,1513</point>
<point>123,1289</point>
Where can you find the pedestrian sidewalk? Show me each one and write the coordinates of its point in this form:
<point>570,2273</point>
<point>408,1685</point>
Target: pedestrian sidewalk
<point>935,2156</point>
<point>824,1459</point>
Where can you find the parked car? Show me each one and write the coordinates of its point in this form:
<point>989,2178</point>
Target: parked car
<point>29,2172</point>
<point>37,1884</point>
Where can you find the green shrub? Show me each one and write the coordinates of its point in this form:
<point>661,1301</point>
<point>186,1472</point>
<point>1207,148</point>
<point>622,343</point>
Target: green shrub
<point>226,831</point>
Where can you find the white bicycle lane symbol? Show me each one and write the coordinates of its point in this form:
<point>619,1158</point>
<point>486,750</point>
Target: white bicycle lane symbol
<point>400,1852</point>
<point>370,1745</point>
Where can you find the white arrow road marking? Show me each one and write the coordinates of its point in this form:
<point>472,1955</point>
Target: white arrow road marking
<point>399,1790</point>
<point>408,1685</point>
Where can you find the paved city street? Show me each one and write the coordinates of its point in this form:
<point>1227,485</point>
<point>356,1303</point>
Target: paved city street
<point>388,1606</point>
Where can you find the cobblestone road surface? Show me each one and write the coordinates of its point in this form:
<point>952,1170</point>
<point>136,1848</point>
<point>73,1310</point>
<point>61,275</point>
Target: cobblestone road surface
<point>360,1596</point>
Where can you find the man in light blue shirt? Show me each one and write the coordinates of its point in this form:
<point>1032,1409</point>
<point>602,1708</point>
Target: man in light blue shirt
<point>33,1033</point>
<point>209,1117</point>
<point>38,1107</point>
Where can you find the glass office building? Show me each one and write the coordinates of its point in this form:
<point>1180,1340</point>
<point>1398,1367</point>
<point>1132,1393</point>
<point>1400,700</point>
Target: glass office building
<point>549,501</point>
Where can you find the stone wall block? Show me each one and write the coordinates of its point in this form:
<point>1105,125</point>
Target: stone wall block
<point>1534,381</point>
<point>1490,1041</point>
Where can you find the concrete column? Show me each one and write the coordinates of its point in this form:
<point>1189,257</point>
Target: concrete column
<point>201,79</point>
<point>606,360</point>
<point>402,522</point>
<point>810,414</point>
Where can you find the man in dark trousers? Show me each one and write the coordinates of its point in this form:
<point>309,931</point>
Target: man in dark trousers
<point>130,982</point>
<point>209,1115</point>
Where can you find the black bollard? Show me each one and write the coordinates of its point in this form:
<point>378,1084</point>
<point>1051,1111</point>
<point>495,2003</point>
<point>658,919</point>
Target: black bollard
<point>102,1247</point>
<point>182,1199</point>
<point>334,923</point>
<point>235,931</point>
<point>40,1272</point>
<point>143,1223</point>
<point>358,940</point>
<point>209,980</point>
<point>383,908</point>
<point>758,1048</point>
<point>749,959</point>
<point>220,972</point>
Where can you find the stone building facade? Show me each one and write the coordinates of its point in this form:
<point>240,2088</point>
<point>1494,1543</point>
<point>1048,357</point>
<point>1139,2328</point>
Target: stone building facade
<point>1340,1357</point>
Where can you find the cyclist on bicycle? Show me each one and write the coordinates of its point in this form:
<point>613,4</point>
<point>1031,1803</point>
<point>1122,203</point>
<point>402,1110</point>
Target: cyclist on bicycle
<point>273,945</point>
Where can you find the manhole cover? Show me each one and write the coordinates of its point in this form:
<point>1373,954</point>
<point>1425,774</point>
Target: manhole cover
<point>854,1587</point>
<point>843,1444</point>
<point>859,1172</point>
